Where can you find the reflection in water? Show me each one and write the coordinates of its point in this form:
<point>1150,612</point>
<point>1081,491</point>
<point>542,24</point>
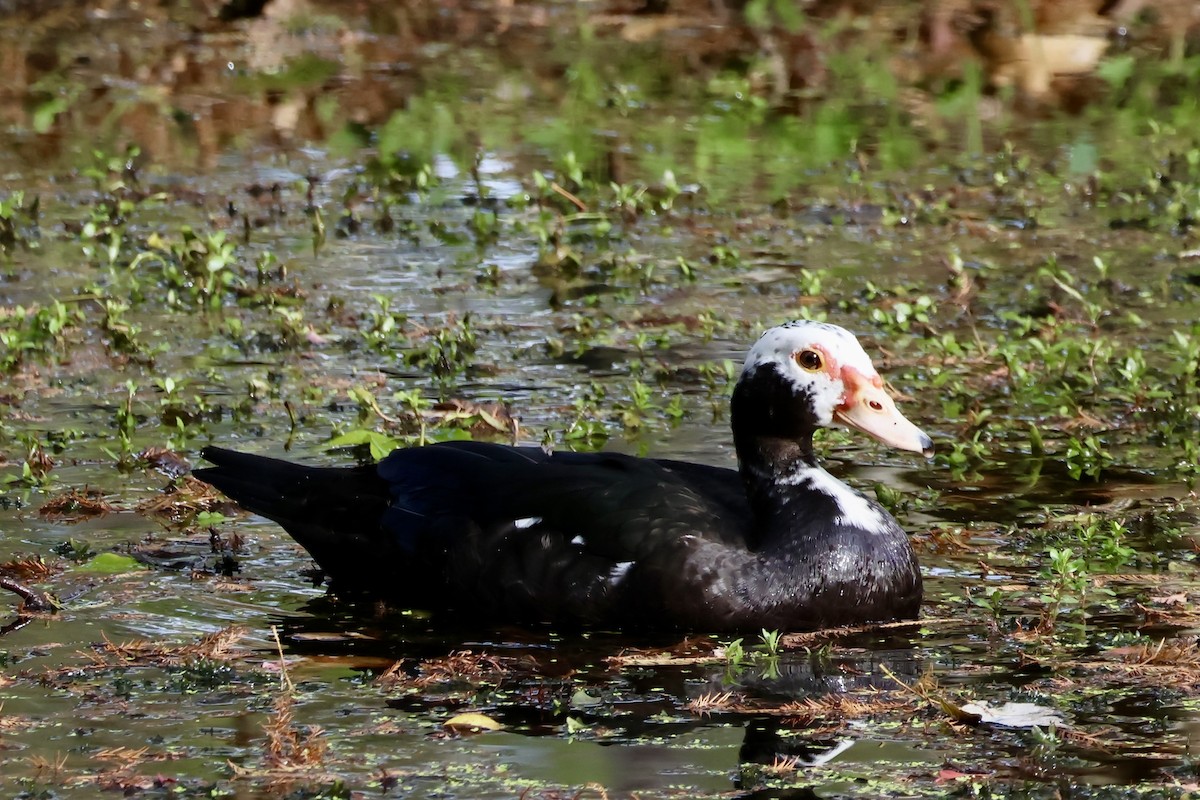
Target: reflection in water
<point>553,682</point>
<point>20,621</point>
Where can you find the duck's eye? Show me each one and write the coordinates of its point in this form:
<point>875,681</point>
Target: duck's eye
<point>810,360</point>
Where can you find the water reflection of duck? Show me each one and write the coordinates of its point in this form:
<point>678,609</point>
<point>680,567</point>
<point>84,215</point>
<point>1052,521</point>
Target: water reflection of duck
<point>518,534</point>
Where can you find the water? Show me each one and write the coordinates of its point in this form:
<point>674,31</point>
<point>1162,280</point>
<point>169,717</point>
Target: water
<point>1030,363</point>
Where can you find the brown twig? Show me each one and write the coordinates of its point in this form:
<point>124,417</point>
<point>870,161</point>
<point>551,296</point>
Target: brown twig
<point>285,680</point>
<point>575,201</point>
<point>32,599</point>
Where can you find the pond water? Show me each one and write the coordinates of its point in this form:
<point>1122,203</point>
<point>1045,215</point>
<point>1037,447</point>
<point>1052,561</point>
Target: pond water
<point>297,233</point>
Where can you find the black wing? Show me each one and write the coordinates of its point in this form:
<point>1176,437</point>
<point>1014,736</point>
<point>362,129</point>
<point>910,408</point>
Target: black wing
<point>503,531</point>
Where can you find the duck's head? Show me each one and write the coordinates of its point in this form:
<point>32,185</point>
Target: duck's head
<point>803,375</point>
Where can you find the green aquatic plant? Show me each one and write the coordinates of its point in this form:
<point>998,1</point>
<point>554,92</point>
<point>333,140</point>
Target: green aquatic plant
<point>1086,456</point>
<point>35,331</point>
<point>18,222</point>
<point>764,656</point>
<point>112,173</point>
<point>75,550</point>
<point>1066,586</point>
<point>294,330</point>
<point>1103,541</point>
<point>35,467</point>
<point>770,641</point>
<point>1073,287</point>
<point>447,350</point>
<point>126,424</point>
<point>125,337</point>
<point>989,598</point>
<point>195,269</point>
<point>268,269</point>
<point>103,236</point>
<point>964,454</point>
<point>381,324</point>
<point>640,404</point>
<point>182,411</point>
<point>486,227</point>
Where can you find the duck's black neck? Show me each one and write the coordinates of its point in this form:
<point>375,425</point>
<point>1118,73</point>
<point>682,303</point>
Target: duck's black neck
<point>772,434</point>
<point>772,425</point>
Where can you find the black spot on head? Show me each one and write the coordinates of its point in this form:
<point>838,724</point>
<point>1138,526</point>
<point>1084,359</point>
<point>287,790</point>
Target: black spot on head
<point>767,403</point>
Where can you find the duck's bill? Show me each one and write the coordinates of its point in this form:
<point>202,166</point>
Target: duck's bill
<point>869,409</point>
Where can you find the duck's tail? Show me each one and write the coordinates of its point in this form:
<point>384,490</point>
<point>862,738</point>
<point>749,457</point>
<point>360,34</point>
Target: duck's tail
<point>331,511</point>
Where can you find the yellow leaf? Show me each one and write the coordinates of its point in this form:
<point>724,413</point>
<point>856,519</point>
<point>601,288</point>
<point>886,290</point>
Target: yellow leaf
<point>473,721</point>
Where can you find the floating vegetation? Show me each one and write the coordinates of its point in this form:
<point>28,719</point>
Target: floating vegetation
<point>76,505</point>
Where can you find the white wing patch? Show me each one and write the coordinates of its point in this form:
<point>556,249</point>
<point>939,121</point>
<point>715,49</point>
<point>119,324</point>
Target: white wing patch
<point>578,540</point>
<point>617,573</point>
<point>853,509</point>
<point>526,522</point>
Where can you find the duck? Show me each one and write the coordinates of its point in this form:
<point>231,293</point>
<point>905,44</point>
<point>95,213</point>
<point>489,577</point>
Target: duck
<point>521,535</point>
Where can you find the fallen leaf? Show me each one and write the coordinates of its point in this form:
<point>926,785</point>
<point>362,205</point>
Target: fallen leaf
<point>947,775</point>
<point>324,636</point>
<point>1014,715</point>
<point>472,722</point>
<point>109,564</point>
<point>166,461</point>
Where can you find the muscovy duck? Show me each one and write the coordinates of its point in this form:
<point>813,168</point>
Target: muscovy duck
<point>516,534</point>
